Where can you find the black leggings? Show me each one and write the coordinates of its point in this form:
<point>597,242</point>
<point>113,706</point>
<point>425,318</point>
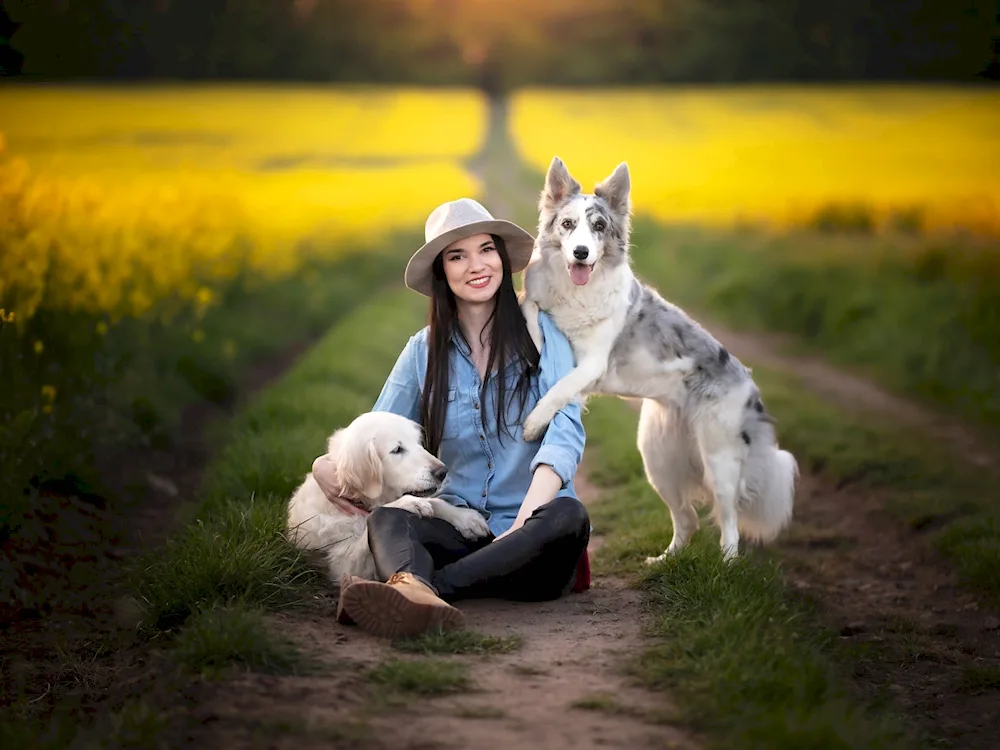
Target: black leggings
<point>535,563</point>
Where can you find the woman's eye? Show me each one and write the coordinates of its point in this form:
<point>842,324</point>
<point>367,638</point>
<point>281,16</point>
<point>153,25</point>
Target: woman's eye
<point>454,257</point>
<point>488,249</point>
<point>567,224</point>
<point>398,449</point>
<point>599,226</point>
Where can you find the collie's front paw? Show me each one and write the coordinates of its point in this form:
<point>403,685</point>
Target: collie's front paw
<point>535,426</point>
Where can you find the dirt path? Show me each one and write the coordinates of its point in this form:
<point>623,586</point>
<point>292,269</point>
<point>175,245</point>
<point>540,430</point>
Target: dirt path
<point>565,687</point>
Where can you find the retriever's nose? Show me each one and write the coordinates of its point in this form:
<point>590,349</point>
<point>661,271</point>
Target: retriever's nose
<point>581,252</point>
<point>440,473</point>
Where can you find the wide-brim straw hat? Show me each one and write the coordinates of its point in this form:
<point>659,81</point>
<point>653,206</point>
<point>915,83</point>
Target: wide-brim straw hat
<point>456,220</point>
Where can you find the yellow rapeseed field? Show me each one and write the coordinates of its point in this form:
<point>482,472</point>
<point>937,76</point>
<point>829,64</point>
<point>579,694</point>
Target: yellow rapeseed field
<point>778,155</point>
<point>113,198</point>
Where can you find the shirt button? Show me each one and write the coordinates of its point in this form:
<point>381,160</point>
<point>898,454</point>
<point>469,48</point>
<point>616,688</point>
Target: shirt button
<point>484,493</point>
<point>489,465</point>
<point>482,436</point>
<point>475,404</point>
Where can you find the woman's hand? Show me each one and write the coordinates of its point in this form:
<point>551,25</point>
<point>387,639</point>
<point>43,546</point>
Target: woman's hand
<point>543,488</point>
<point>324,471</point>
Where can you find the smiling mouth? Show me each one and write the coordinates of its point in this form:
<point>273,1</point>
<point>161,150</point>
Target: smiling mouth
<point>579,273</point>
<point>479,283</point>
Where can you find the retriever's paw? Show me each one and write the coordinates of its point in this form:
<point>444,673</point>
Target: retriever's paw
<point>418,506</point>
<point>470,524</point>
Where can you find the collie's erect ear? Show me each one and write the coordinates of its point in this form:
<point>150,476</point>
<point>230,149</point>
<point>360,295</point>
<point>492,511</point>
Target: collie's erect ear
<point>559,185</point>
<point>615,188</point>
<point>359,469</point>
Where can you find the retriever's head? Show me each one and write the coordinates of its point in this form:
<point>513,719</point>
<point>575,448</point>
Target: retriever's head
<point>380,458</point>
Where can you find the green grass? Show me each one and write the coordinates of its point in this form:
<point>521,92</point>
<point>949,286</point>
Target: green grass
<point>238,553</point>
<point>920,315</point>
<point>426,677</point>
<point>747,664</point>
<point>459,642</point>
<point>219,637</point>
<point>234,548</point>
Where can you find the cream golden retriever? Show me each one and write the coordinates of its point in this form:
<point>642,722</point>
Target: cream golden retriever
<point>376,460</point>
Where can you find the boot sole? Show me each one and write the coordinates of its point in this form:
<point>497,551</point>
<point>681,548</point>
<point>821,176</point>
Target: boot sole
<point>345,580</point>
<point>385,612</point>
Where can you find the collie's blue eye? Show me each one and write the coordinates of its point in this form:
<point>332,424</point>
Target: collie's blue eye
<point>567,224</point>
<point>599,226</point>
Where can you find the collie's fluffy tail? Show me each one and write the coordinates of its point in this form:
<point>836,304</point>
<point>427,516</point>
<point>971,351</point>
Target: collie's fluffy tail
<point>767,485</point>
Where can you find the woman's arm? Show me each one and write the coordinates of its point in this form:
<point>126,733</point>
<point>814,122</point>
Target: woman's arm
<point>401,392</point>
<point>545,483</point>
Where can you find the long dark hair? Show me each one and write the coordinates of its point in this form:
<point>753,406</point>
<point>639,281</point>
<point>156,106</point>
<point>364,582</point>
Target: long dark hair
<point>510,342</point>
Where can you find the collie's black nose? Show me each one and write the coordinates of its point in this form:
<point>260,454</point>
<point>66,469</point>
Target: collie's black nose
<point>581,252</point>
<point>440,474</point>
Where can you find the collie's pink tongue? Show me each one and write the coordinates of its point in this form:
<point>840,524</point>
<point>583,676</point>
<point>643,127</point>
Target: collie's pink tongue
<point>580,273</point>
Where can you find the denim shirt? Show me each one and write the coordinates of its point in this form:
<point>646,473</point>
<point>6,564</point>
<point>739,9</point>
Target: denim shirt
<point>483,472</point>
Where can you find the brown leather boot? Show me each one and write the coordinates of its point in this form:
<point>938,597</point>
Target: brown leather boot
<point>346,580</point>
<point>402,606</point>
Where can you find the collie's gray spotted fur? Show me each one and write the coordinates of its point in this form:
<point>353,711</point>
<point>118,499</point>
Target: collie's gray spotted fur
<point>703,429</point>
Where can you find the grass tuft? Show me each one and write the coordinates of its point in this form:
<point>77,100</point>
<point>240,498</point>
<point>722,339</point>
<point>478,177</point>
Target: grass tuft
<point>421,676</point>
<point>978,680</point>
<point>599,702</point>
<point>215,638</point>
<point>458,642</point>
<point>239,554</point>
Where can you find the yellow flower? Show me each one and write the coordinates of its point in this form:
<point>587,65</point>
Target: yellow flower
<point>197,335</point>
<point>101,328</point>
<point>49,393</point>
<point>47,409</point>
<point>39,347</point>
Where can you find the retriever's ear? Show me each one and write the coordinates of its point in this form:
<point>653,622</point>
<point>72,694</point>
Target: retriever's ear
<point>359,469</point>
<point>559,185</point>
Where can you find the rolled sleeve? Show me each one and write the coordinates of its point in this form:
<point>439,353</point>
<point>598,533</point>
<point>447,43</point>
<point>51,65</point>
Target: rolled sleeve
<point>401,392</point>
<point>564,440</point>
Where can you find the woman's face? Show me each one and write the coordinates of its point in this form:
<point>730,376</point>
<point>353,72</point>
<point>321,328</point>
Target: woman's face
<point>473,268</point>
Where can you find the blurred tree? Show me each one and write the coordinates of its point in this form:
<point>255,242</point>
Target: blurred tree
<point>499,45</point>
<point>10,59</point>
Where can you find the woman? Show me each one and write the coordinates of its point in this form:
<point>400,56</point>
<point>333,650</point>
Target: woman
<point>470,378</point>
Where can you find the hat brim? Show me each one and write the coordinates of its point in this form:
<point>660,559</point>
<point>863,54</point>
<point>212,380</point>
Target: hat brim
<point>418,275</point>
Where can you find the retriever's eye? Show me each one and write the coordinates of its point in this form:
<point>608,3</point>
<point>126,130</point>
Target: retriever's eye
<point>398,449</point>
<point>600,226</point>
<point>567,224</point>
